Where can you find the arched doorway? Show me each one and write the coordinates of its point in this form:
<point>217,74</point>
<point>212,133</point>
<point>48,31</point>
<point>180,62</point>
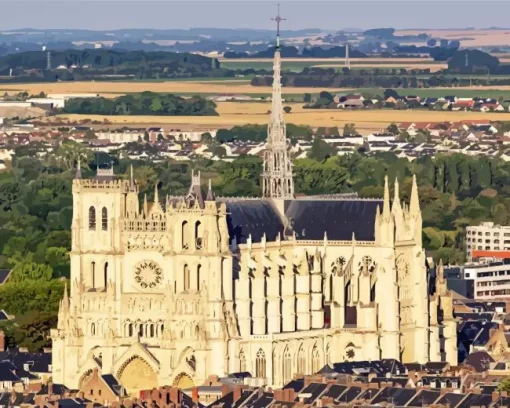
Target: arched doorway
<point>183,381</point>
<point>137,375</point>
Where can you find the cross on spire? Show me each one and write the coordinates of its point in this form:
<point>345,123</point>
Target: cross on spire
<point>278,20</point>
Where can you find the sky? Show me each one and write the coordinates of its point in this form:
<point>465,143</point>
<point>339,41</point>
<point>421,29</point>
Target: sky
<point>162,14</point>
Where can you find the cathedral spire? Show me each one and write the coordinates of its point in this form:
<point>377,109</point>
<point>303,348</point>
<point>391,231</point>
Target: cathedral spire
<point>210,194</point>
<point>414,204</point>
<point>156,206</point>
<point>386,203</point>
<point>396,208</point>
<point>277,179</point>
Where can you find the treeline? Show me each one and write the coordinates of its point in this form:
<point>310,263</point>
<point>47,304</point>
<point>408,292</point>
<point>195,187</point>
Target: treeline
<point>258,133</point>
<point>145,103</point>
<point>89,63</point>
<point>293,52</point>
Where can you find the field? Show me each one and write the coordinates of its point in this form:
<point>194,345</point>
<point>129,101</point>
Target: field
<point>297,64</point>
<point>178,87</point>
<point>468,38</point>
<point>234,113</point>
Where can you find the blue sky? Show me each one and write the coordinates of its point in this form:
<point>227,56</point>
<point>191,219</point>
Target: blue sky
<point>95,14</point>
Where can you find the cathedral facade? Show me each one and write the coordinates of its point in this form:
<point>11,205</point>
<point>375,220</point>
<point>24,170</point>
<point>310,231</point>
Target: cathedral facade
<point>170,293</point>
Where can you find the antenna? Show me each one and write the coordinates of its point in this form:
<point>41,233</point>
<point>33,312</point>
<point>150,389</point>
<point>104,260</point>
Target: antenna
<point>347,61</point>
<point>278,20</point>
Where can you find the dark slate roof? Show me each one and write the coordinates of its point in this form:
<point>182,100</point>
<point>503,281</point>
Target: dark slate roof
<point>297,385</point>
<point>475,400</point>
<point>58,389</point>
<point>424,398</point>
<point>225,402</point>
<point>502,402</point>
<point>335,391</point>
<point>3,315</point>
<point>394,396</point>
<point>6,374</point>
<point>316,389</point>
<point>254,217</point>
<point>451,399</point>
<point>262,401</point>
<point>369,394</point>
<point>338,218</point>
<point>479,360</point>
<point>488,389</point>
<point>8,399</point>
<point>4,275</point>
<point>350,395</point>
<point>245,396</point>
<point>113,384</point>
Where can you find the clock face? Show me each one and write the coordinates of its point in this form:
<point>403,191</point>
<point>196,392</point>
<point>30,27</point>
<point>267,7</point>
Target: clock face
<point>148,274</point>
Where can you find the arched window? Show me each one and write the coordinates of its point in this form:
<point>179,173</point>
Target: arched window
<point>93,329</point>
<point>260,364</point>
<point>242,362</point>
<point>92,218</point>
<point>198,235</point>
<point>130,329</point>
<point>140,330</point>
<point>186,277</point>
<point>287,366</point>
<point>199,268</point>
<point>151,330</point>
<point>301,361</point>
<point>104,219</point>
<point>105,274</point>
<point>185,235</point>
<point>316,360</point>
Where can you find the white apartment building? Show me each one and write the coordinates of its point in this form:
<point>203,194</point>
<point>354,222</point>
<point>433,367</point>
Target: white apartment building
<point>126,136</point>
<point>491,279</point>
<point>487,237</point>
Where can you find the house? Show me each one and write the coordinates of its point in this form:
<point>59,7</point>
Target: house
<point>351,103</point>
<point>381,137</point>
<point>491,107</point>
<point>463,105</point>
<point>103,389</point>
<point>155,133</point>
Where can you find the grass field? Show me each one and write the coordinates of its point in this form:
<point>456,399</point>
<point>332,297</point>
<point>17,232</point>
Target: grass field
<point>232,113</point>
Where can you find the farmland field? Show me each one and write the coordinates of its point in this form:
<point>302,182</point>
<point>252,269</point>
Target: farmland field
<point>234,113</point>
<point>468,38</point>
<point>297,64</point>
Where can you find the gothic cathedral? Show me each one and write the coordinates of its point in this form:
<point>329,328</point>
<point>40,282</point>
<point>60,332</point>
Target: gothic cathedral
<point>168,294</point>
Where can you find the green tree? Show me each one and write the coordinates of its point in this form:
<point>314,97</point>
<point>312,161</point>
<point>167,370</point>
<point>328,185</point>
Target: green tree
<point>350,129</point>
<point>321,150</point>
<point>31,271</point>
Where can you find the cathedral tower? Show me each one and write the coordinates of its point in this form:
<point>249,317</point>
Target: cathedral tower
<point>277,179</point>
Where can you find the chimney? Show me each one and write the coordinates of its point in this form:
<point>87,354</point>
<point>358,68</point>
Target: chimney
<point>277,395</point>
<point>495,396</point>
<point>194,395</point>
<point>225,389</point>
<point>238,391</point>
<point>175,395</point>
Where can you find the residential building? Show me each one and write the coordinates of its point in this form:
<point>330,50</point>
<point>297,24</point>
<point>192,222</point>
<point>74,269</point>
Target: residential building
<point>487,237</point>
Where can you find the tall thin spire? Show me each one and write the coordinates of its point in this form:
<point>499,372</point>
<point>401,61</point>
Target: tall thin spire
<point>277,179</point>
<point>386,202</point>
<point>414,203</point>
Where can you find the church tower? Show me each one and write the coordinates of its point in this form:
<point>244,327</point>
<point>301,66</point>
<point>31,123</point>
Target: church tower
<point>277,179</point>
